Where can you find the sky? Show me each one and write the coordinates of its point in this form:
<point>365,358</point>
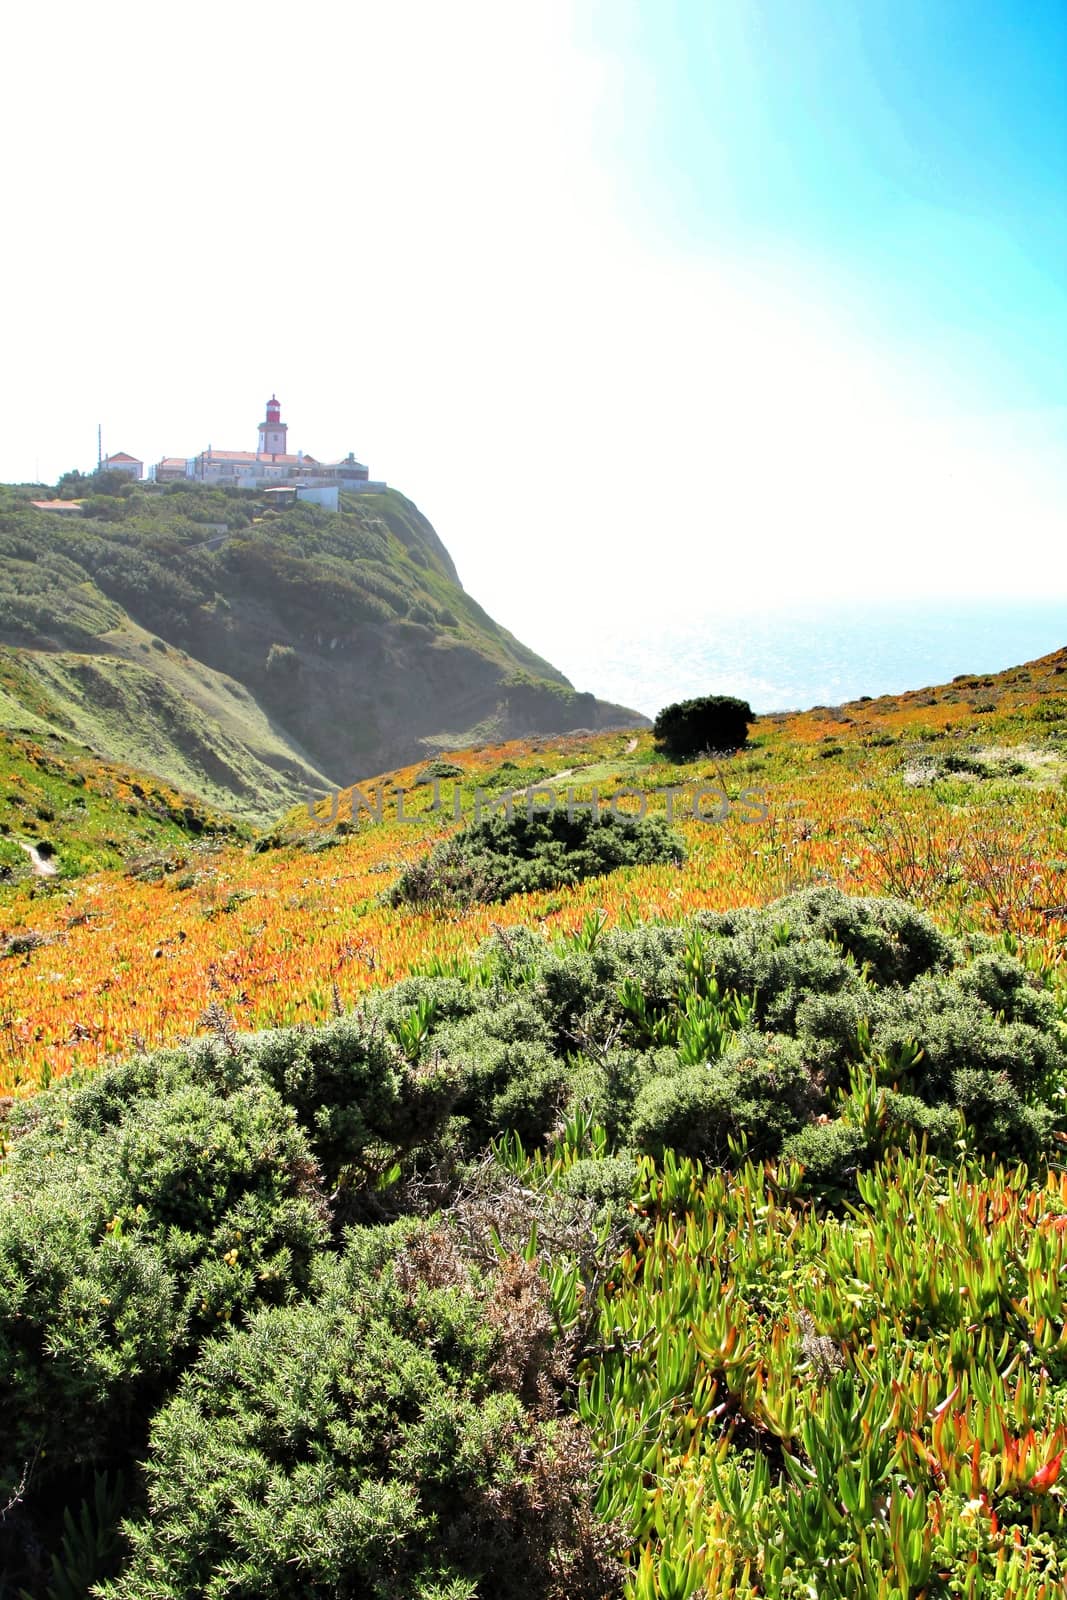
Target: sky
<point>654,307</point>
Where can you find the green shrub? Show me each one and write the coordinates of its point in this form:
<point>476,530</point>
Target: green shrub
<point>376,1443</point>
<point>890,938</point>
<point>999,1122</point>
<point>1004,985</point>
<point>758,1092</point>
<point>851,981</point>
<point>512,1080</point>
<point>133,1226</point>
<point>438,768</point>
<point>829,1151</point>
<point>609,1181</point>
<point>831,1027</point>
<point>361,1100</point>
<point>711,722</point>
<point>502,856</point>
<point>510,955</point>
<point>942,1126</point>
<point>956,1031</point>
<point>783,975</point>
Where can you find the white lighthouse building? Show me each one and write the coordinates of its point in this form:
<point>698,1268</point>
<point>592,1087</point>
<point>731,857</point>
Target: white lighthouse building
<point>272,433</point>
<point>270,465</point>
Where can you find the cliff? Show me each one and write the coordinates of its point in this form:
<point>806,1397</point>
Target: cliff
<point>247,654</point>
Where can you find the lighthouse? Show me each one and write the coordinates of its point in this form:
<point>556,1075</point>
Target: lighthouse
<point>272,432</point>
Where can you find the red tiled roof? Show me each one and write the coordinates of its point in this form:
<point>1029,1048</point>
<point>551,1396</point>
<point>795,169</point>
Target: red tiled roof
<point>173,461</point>
<point>252,459</point>
<point>122,456</point>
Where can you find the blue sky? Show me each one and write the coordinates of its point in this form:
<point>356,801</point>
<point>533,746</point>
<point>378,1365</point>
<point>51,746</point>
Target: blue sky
<point>651,307</point>
<point>914,154</point>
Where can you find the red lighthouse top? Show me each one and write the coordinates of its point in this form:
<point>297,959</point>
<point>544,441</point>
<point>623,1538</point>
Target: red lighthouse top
<point>274,410</point>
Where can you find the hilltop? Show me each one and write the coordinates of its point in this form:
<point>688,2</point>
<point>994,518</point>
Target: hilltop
<point>247,654</point>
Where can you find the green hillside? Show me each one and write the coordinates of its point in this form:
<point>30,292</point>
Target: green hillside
<point>640,1208</point>
<point>64,812</point>
<point>248,654</point>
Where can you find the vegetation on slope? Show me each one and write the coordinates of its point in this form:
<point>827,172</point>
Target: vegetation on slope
<point>686,1235</point>
<point>81,814</point>
<point>502,856</point>
<point>928,795</point>
<point>384,1306</point>
<point>249,654</point>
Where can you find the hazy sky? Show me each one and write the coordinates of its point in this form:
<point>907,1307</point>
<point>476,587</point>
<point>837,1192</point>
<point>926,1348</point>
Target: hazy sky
<point>645,304</point>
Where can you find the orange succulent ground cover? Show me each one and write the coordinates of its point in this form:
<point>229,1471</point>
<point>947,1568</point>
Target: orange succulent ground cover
<point>954,797</point>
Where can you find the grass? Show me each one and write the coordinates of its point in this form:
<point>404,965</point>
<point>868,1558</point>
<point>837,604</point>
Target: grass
<point>201,731</point>
<point>85,814</point>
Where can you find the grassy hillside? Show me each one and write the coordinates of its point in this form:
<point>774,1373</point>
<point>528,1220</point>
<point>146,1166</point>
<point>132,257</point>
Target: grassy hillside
<point>693,1228</point>
<point>248,654</point>
<point>81,814</point>
<point>951,796</point>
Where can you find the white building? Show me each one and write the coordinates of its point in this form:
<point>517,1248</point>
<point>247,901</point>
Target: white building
<point>270,465</point>
<point>123,463</point>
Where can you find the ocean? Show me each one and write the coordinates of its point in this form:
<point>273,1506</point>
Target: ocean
<point>809,656</point>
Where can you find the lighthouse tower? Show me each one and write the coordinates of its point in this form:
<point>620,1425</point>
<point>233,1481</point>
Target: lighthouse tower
<point>272,432</point>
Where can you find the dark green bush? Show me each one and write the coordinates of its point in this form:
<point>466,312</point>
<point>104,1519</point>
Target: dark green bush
<point>132,1226</point>
<point>784,974</point>
<point>957,1032</point>
<point>942,1126</point>
<point>758,1092</point>
<point>711,722</point>
<point>830,1151</point>
<point>1003,984</point>
<point>829,1026</point>
<point>437,768</point>
<point>607,1085</point>
<point>892,940</point>
<point>853,981</point>
<point>361,1100</point>
<point>502,856</point>
<point>374,1445</point>
<point>999,1122</point>
<point>577,991</point>
<point>512,1080</point>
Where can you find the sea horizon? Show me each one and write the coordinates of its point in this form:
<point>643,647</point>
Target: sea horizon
<point>813,655</point>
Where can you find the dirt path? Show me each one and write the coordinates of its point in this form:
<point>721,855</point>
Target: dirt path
<point>41,867</point>
<point>630,748</point>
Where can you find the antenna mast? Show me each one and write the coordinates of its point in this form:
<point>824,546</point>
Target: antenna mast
<point>99,448</point>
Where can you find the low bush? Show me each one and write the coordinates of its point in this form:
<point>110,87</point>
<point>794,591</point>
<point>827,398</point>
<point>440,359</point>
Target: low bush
<point>371,1411</point>
<point>355,1091</point>
<point>503,856</point>
<point>829,1151</point>
<point>756,1094</point>
<point>395,1437</point>
<point>711,722</point>
<point>649,1020</point>
<point>133,1226</point>
<point>437,768</point>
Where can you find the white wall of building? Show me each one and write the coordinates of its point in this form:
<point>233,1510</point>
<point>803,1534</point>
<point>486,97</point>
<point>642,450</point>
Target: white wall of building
<point>325,497</point>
